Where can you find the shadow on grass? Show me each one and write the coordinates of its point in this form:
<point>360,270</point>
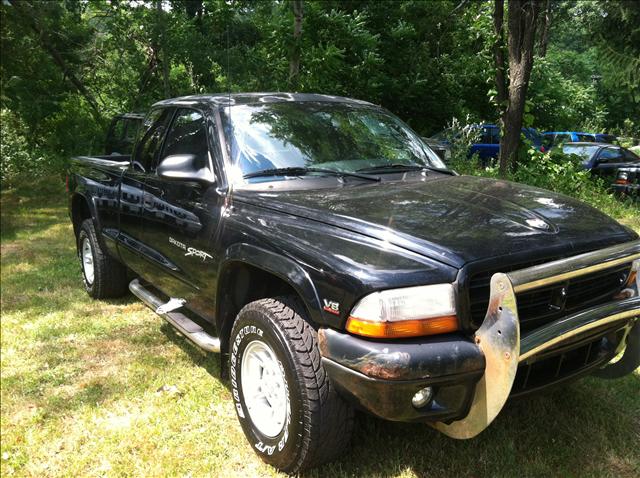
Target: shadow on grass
<point>211,362</point>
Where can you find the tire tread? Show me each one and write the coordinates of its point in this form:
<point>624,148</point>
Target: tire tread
<point>329,419</point>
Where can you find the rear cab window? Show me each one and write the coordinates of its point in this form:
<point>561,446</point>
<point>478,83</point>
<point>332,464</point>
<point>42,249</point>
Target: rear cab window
<point>150,139</point>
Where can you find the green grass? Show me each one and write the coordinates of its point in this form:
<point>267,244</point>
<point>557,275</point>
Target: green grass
<point>80,382</point>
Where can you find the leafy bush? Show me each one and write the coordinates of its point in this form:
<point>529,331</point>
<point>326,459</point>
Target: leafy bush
<point>556,171</point>
<point>561,173</point>
<point>17,158</point>
<point>460,136</point>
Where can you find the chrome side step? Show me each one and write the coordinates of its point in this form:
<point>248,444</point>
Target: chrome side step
<point>181,322</point>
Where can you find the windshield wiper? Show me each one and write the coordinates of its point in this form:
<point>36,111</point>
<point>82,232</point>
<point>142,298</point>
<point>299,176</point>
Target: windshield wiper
<point>301,171</point>
<point>397,167</point>
<point>394,168</point>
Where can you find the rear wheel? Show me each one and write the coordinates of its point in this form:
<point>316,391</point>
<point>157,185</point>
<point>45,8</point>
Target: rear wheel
<point>288,408</point>
<point>102,275</point>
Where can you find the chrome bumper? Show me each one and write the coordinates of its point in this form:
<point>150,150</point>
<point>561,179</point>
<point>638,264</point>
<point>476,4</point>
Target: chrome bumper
<point>499,335</point>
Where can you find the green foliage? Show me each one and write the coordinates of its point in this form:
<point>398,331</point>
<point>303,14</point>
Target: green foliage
<point>67,67</point>
<point>558,172</point>
<point>18,159</point>
<point>564,174</point>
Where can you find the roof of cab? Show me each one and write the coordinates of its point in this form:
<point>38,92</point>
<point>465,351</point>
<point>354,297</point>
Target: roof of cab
<point>225,99</point>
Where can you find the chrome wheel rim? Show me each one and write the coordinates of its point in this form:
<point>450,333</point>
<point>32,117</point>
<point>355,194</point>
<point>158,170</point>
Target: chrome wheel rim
<point>263,388</point>
<point>87,261</point>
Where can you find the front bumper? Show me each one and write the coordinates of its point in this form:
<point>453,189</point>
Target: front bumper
<point>473,378</point>
<point>382,377</point>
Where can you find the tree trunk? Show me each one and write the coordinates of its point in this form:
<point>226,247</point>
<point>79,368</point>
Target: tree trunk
<point>29,15</point>
<point>544,34</point>
<point>162,48</point>
<point>498,56</point>
<point>522,22</point>
<point>294,61</point>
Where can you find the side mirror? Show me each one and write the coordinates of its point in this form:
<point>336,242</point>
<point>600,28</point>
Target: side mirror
<point>182,167</point>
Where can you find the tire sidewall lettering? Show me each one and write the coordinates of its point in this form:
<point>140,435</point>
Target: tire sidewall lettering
<point>264,445</point>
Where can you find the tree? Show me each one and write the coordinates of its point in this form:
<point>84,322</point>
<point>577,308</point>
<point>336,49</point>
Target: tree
<point>294,62</point>
<point>522,24</point>
<point>162,47</point>
<point>498,56</point>
<point>544,30</point>
<point>30,16</point>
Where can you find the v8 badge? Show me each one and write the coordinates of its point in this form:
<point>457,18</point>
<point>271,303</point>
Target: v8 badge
<point>331,306</point>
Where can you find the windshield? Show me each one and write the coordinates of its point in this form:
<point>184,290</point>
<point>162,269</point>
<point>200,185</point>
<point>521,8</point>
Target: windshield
<point>585,151</point>
<point>343,137</point>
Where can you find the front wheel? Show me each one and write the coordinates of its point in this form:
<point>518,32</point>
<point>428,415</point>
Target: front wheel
<point>288,408</point>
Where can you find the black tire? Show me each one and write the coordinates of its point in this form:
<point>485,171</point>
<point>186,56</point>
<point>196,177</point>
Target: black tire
<point>319,423</point>
<point>109,275</point>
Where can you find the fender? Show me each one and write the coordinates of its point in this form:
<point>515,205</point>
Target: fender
<point>93,210</point>
<point>82,191</point>
<point>283,267</point>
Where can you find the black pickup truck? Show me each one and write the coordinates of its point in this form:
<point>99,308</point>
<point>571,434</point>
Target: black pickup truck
<point>327,253</point>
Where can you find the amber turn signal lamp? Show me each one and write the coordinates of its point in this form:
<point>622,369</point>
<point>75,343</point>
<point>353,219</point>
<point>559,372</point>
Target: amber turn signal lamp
<point>402,328</point>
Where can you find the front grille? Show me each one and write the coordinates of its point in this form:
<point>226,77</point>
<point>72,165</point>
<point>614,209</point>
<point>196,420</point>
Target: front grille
<point>546,304</point>
<point>567,361</point>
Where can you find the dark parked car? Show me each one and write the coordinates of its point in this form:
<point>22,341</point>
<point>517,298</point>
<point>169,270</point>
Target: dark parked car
<point>601,158</point>
<point>606,160</point>
<point>122,133</point>
<point>328,254</point>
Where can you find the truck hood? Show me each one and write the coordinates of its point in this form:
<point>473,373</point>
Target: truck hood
<point>455,219</point>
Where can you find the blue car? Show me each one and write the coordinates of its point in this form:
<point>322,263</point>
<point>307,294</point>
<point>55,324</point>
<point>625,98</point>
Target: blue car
<point>489,145</point>
<point>487,148</point>
<point>606,138</point>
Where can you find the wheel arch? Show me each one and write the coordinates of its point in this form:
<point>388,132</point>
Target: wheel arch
<point>80,210</point>
<point>249,273</point>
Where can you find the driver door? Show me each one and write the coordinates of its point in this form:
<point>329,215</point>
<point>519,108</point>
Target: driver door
<point>181,217</point>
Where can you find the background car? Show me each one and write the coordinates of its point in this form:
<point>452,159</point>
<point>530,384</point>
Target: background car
<point>487,147</point>
<point>554,138</point>
<point>606,138</point>
<point>441,147</point>
<point>607,160</point>
<point>627,183</point>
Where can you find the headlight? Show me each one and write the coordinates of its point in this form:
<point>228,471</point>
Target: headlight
<point>634,276</point>
<point>408,312</point>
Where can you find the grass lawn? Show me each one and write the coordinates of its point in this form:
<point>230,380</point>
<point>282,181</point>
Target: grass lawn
<point>82,390</point>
